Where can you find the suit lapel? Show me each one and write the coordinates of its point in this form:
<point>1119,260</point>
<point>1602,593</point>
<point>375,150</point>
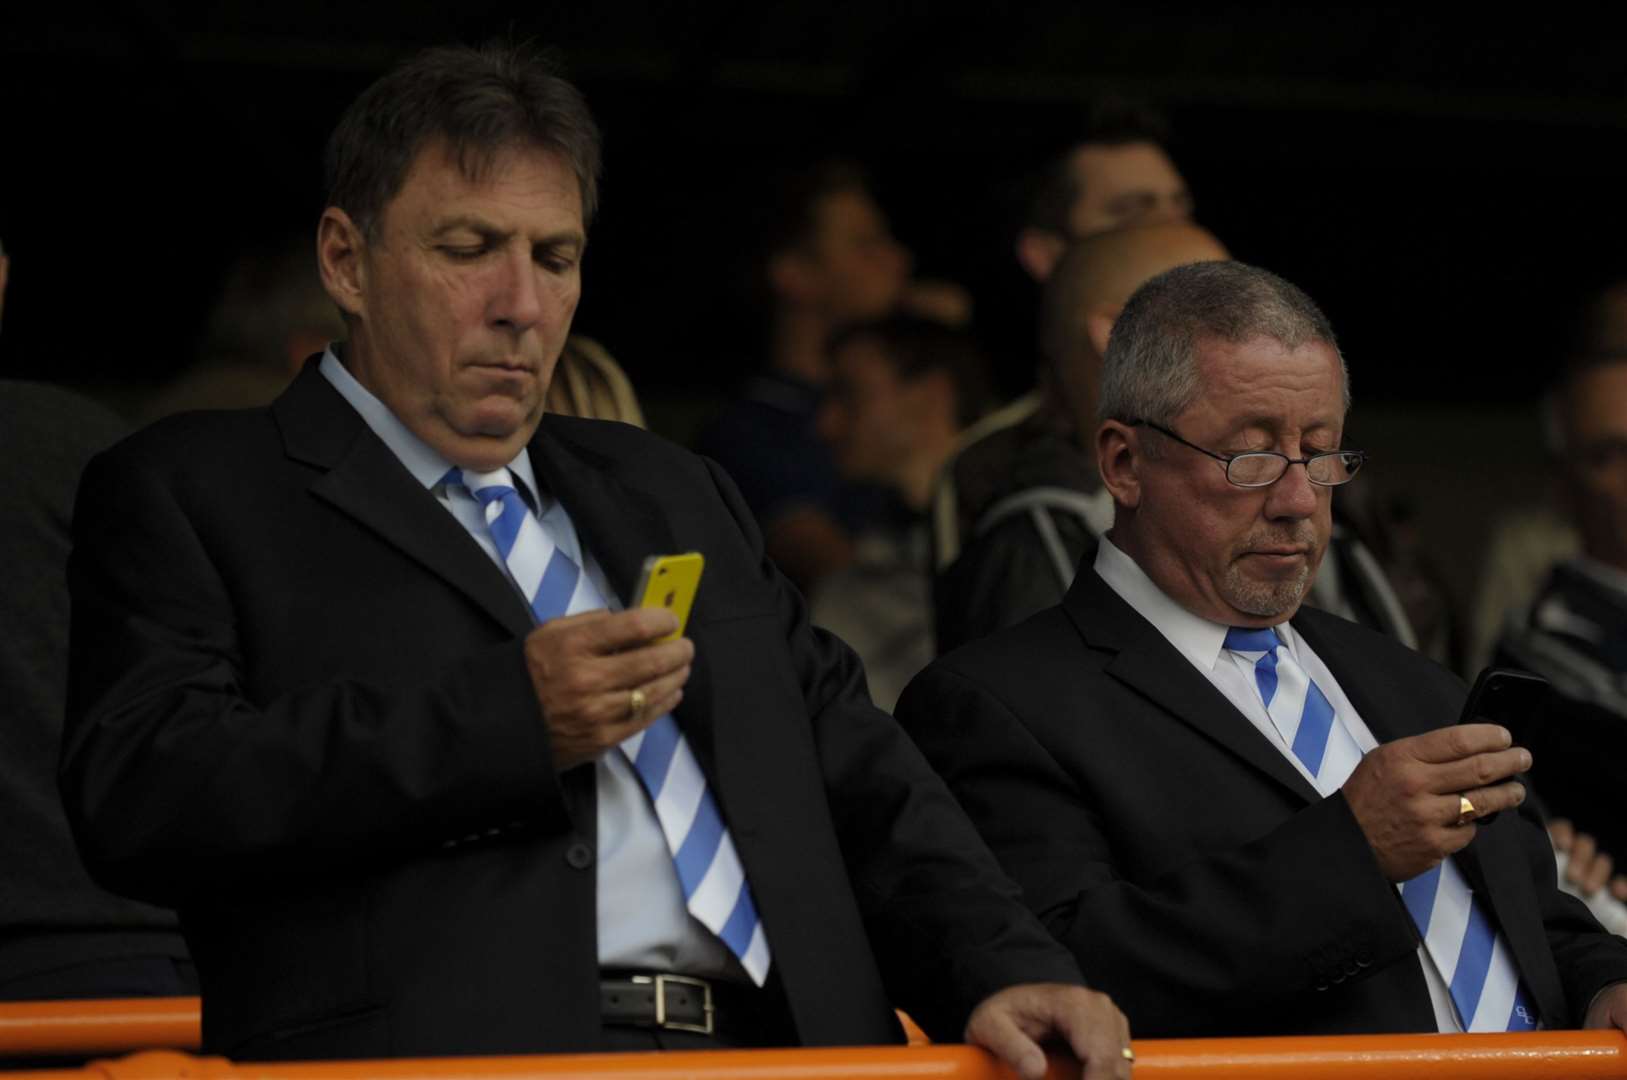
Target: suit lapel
<point>1147,663</point>
<point>614,519</point>
<point>364,480</point>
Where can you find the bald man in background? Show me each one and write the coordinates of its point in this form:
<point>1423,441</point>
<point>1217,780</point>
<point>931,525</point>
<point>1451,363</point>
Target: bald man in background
<point>1021,504</point>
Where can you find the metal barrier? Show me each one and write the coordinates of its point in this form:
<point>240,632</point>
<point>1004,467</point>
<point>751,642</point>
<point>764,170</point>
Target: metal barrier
<point>111,1026</point>
<point>82,1028</point>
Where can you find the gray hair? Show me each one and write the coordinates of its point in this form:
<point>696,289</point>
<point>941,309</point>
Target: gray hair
<point>1150,371</point>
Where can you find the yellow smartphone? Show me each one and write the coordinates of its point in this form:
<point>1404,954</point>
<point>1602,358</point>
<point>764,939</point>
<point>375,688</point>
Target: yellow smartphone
<point>670,581</point>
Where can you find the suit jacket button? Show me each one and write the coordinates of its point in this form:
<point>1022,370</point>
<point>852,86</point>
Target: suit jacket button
<point>579,856</point>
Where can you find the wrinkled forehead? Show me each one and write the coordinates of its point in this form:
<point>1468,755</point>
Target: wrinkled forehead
<point>1266,378</point>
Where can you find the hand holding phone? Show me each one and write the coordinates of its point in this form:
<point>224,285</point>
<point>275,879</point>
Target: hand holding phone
<point>1506,697</point>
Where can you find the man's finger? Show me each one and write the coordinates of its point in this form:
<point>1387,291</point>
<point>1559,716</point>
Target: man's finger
<point>1487,800</point>
<point>1098,1037</point>
<point>645,664</point>
<point>1459,741</point>
<point>997,1032</point>
<point>619,630</point>
<point>1479,770</point>
<point>1561,833</point>
<point>615,708</point>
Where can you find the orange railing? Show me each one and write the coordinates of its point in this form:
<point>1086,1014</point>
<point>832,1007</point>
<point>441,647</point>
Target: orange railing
<point>83,1028</point>
<point>106,1027</point>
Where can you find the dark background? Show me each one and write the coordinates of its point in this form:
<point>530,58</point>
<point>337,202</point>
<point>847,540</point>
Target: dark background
<point>1443,181</point>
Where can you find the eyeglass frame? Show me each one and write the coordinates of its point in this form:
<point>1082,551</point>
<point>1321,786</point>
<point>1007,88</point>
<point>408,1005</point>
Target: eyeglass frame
<point>1227,459</point>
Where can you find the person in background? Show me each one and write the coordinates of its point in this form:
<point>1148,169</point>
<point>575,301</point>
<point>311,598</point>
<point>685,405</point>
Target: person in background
<point>902,389</point>
<point>1528,540</point>
<point>829,260</point>
<point>61,934</point>
<point>1574,632</point>
<point>1117,173</point>
<point>1017,506</point>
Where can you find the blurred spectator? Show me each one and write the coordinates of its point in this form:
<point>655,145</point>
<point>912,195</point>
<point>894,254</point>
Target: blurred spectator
<point>1117,173</point>
<point>271,316</point>
<point>1575,631</point>
<point>1021,502</point>
<point>61,936</point>
<point>901,391</point>
<point>829,260</point>
<point>1527,541</point>
<point>588,382</point>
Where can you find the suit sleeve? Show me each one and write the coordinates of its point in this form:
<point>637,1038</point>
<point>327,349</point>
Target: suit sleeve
<point>1208,947</point>
<point>177,783</point>
<point>946,925</point>
<point>1588,957</point>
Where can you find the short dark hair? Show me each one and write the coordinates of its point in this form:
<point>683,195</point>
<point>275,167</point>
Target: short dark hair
<point>917,347</point>
<point>480,101</point>
<point>1109,121</point>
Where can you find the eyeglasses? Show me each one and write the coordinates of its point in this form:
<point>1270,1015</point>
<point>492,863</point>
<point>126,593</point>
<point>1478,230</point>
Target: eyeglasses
<point>1262,468</point>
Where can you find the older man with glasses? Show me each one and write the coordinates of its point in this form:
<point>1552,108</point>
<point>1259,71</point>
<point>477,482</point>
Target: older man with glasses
<point>1253,817</point>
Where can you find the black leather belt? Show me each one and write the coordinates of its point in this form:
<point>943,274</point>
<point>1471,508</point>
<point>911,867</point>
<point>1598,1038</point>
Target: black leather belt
<point>684,1003</point>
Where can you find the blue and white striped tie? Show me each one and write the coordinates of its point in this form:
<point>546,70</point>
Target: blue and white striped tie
<point>709,868</point>
<point>1472,957</point>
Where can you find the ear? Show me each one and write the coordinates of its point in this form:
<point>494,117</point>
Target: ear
<point>341,251</point>
<point>1119,457</point>
<point>1099,327</point>
<point>790,277</point>
<point>1037,252</point>
<point>5,268</point>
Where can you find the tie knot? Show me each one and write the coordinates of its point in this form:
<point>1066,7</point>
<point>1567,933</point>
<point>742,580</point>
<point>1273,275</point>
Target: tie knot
<point>488,487</point>
<point>1252,639</point>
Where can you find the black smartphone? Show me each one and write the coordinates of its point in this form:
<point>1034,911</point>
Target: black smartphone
<point>1504,696</point>
<point>1507,697</point>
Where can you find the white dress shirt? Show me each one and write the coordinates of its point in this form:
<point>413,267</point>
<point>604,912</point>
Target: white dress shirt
<point>1202,642</point>
<point>642,919</point>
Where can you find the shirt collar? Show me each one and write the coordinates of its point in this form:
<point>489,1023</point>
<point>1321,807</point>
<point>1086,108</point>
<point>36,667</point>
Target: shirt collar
<point>426,464</point>
<point>1200,640</point>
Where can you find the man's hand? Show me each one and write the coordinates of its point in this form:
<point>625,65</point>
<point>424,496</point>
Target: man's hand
<point>1405,793</point>
<point>1588,868</point>
<point>1609,1008</point>
<point>585,668</point>
<point>1010,1023</point>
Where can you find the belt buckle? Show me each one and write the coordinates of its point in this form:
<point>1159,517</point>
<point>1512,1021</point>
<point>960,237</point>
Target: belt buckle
<point>661,980</point>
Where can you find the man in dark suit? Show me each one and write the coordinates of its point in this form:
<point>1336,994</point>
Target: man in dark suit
<point>311,707</point>
<point>1252,817</point>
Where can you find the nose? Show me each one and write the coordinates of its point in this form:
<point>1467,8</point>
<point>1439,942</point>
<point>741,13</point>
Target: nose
<point>516,301</point>
<point>1293,496</point>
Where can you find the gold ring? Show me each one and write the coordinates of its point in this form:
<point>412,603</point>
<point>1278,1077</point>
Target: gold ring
<point>1128,1054</point>
<point>1466,811</point>
<point>635,705</point>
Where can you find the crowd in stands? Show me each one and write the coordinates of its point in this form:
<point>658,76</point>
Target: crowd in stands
<point>1093,711</point>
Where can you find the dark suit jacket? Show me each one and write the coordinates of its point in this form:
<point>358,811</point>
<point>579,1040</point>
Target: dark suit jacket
<point>1172,847</point>
<point>300,714</point>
